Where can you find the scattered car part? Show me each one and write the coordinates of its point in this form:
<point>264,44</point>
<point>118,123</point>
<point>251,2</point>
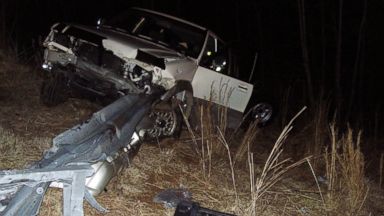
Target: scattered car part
<point>171,197</point>
<point>185,208</point>
<point>106,142</point>
<point>71,177</point>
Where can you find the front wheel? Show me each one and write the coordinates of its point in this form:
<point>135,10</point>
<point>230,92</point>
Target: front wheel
<point>166,123</point>
<point>167,117</point>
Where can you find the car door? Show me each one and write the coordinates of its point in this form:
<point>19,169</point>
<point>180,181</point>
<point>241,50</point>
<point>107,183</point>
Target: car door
<point>210,81</point>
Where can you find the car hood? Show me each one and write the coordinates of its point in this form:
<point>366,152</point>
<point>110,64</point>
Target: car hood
<point>125,45</point>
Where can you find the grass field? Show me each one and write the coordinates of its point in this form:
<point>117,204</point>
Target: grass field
<point>299,168</point>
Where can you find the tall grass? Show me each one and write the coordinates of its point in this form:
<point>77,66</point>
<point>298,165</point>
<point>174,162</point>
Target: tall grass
<point>345,166</point>
<point>346,189</point>
<point>212,127</point>
<point>381,169</point>
<point>247,142</point>
<point>320,123</point>
<point>274,168</point>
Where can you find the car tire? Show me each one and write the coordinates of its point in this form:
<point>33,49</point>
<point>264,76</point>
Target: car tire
<point>54,90</point>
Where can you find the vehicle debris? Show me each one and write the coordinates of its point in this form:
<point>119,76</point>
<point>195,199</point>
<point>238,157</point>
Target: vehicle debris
<point>181,199</point>
<point>186,208</point>
<point>71,178</point>
<point>96,149</point>
<point>171,197</point>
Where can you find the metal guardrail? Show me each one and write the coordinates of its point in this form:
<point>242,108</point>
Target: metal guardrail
<point>72,178</point>
<point>108,134</point>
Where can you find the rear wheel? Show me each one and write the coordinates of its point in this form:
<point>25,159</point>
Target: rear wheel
<point>261,112</point>
<point>54,90</point>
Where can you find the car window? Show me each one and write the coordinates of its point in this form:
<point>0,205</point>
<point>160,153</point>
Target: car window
<point>127,23</point>
<point>184,38</point>
<point>215,55</point>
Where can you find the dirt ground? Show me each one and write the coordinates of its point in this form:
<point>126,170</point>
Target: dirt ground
<point>27,127</point>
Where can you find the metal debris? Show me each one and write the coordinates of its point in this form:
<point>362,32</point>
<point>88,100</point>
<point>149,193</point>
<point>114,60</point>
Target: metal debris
<point>108,137</point>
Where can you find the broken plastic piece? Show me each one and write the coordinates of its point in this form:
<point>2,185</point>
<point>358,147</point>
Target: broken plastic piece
<point>185,208</point>
<point>172,197</point>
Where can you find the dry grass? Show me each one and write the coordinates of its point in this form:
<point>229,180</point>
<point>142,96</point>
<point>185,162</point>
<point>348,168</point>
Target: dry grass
<point>266,188</point>
<point>175,166</point>
<point>347,188</point>
<point>17,152</point>
<point>381,169</point>
<point>273,169</point>
<point>320,123</point>
<point>212,126</point>
<point>247,142</point>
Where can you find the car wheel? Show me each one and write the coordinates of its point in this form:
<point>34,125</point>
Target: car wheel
<point>54,90</point>
<point>262,112</point>
<point>167,117</point>
<point>165,124</point>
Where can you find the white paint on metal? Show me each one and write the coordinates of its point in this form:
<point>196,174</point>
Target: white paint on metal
<point>123,52</point>
<point>207,82</point>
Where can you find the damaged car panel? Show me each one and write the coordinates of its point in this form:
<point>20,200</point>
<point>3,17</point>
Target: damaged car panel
<point>139,59</point>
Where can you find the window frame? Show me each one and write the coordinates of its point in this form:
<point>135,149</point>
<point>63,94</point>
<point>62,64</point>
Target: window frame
<point>217,40</point>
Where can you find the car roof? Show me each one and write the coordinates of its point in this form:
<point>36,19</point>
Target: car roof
<point>170,17</point>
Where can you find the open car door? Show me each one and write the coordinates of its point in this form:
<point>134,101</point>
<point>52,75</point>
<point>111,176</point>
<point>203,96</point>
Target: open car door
<point>221,89</point>
<point>211,83</point>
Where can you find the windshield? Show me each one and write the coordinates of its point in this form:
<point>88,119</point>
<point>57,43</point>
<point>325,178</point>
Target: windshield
<point>176,35</point>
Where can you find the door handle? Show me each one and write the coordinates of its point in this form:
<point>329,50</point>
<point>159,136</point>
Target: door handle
<point>243,88</point>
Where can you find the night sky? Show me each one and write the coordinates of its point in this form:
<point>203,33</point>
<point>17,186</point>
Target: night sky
<point>270,28</point>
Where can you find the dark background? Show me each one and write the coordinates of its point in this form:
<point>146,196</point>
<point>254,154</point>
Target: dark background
<point>270,28</point>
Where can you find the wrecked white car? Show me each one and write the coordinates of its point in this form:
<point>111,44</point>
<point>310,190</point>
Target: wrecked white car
<point>139,52</point>
<point>152,66</point>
